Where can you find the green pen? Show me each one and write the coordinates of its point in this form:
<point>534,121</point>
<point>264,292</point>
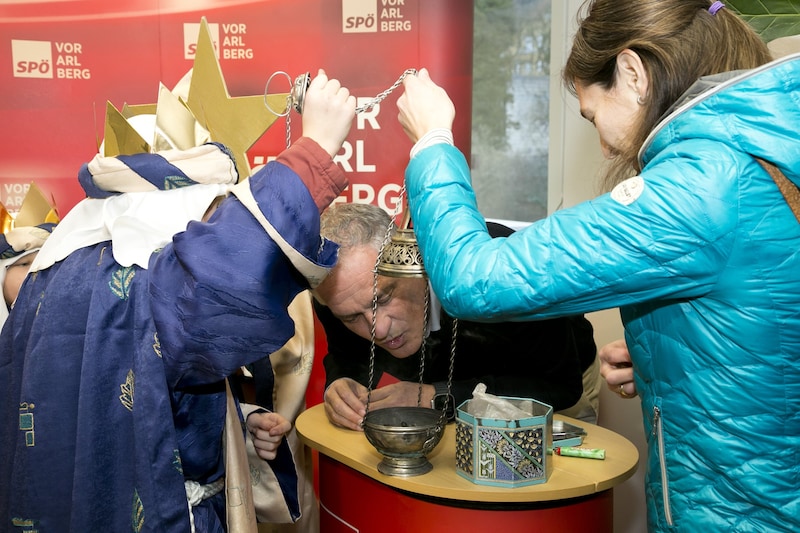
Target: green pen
<point>577,451</point>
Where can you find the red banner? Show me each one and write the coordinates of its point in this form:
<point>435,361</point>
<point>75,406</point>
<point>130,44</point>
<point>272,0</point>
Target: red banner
<point>64,60</point>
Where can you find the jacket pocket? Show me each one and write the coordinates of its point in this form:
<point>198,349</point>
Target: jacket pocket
<point>658,435</point>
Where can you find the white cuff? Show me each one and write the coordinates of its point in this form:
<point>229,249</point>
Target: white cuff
<point>435,136</point>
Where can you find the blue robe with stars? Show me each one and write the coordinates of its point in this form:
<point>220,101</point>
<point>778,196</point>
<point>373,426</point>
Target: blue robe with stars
<point>112,378</point>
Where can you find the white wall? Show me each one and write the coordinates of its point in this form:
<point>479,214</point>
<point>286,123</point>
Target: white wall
<point>573,162</point>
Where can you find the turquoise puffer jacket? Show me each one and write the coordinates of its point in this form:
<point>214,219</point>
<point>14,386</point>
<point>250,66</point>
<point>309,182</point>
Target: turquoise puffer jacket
<point>702,255</point>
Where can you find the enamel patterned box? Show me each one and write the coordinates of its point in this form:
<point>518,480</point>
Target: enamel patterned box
<point>505,453</point>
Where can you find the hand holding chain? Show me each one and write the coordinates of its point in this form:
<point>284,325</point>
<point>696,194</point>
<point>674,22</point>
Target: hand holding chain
<point>296,97</point>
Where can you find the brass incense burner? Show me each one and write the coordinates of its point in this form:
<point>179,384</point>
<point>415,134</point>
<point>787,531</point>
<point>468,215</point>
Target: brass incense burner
<point>404,436</point>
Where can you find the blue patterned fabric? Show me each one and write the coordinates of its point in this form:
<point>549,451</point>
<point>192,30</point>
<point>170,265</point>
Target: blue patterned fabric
<point>111,381</point>
<point>157,170</point>
<point>7,250</point>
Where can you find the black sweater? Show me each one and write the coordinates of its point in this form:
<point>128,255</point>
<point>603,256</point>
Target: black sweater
<point>543,360</point>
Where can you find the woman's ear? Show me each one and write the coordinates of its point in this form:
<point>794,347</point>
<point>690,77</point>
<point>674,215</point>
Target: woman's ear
<point>632,75</point>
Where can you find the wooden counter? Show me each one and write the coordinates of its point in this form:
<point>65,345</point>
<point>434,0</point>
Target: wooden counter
<point>578,492</point>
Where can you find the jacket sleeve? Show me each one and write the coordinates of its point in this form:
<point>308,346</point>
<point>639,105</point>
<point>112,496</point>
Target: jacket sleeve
<point>321,176</point>
<point>597,255</point>
<point>220,291</point>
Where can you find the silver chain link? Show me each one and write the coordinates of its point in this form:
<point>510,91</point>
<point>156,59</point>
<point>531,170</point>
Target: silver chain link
<point>381,96</point>
<point>288,130</point>
<point>371,377</point>
<point>386,239</point>
<point>443,416</point>
<point>296,103</point>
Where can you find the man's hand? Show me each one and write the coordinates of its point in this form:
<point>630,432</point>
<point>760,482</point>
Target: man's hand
<point>267,431</point>
<point>616,368</point>
<point>346,400</point>
<point>401,394</point>
<point>345,403</point>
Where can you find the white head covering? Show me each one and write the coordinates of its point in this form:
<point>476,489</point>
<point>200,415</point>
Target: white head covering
<point>137,223</point>
<point>147,199</point>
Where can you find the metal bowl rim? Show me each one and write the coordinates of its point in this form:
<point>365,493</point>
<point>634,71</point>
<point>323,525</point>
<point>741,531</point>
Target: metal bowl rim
<point>428,413</point>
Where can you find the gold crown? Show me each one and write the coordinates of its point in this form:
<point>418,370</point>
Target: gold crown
<point>35,209</point>
<point>197,111</point>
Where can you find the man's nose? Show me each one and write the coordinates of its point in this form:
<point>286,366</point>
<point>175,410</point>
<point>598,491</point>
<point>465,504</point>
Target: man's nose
<point>382,325</point>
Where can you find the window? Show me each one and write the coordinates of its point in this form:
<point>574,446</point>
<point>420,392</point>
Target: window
<point>510,108</point>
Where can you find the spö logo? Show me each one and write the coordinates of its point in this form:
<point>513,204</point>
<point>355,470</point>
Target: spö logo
<point>190,33</point>
<point>359,16</point>
<point>32,59</point>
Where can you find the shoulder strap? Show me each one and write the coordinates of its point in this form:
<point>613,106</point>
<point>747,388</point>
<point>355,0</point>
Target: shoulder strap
<point>789,190</point>
<point>313,273</point>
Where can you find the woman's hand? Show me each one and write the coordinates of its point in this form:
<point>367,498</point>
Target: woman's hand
<point>424,106</point>
<point>616,368</point>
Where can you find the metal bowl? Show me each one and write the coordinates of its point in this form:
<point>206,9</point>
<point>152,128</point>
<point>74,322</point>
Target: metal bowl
<point>404,436</point>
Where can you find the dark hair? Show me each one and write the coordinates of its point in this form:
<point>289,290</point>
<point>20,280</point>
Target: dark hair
<point>678,41</point>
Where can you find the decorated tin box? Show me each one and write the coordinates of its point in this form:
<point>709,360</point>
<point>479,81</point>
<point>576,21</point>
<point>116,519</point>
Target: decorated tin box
<point>505,453</point>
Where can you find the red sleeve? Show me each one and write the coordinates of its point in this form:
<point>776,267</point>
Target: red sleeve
<point>323,178</point>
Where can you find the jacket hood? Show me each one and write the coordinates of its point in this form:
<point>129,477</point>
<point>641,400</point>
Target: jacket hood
<point>753,111</point>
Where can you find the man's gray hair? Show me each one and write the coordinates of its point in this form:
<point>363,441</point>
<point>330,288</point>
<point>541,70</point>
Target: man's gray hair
<point>349,224</point>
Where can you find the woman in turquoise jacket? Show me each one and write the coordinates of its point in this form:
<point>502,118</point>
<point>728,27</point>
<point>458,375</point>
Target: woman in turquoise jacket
<point>698,250</point>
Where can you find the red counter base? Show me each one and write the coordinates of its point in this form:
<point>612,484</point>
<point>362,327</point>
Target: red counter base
<point>351,501</point>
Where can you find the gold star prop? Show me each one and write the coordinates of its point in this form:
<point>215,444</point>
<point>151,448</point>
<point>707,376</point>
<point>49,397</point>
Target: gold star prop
<point>197,111</point>
<point>176,127</point>
<point>6,220</point>
<point>119,137</point>
<point>236,122</point>
<point>35,209</point>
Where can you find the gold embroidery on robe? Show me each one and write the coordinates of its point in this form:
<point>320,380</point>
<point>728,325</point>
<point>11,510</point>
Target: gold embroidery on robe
<point>156,345</point>
<point>25,523</point>
<point>176,461</point>
<point>127,391</point>
<point>137,513</point>
<point>121,282</point>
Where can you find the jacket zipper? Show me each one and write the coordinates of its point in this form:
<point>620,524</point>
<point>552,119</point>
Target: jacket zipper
<point>659,435</point>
